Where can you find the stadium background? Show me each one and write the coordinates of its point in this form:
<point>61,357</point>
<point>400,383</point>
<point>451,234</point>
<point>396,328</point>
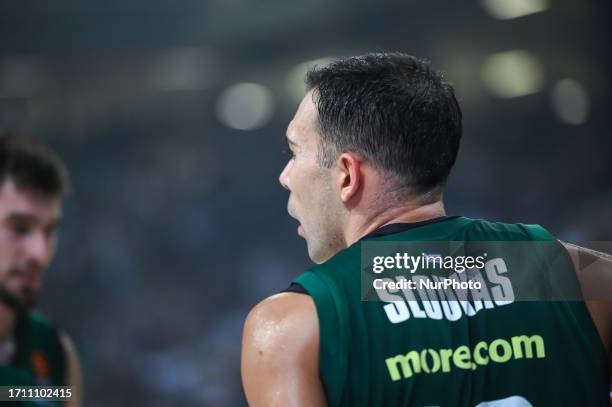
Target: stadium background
<point>171,117</point>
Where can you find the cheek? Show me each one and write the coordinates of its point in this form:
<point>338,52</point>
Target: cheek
<point>4,267</point>
<point>6,261</point>
<point>8,247</point>
<point>298,178</point>
<point>319,195</point>
<point>309,183</point>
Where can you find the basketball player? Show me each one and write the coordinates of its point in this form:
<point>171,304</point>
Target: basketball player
<point>33,180</point>
<point>372,143</point>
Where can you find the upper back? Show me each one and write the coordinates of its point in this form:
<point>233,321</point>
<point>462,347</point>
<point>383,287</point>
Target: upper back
<point>424,350</point>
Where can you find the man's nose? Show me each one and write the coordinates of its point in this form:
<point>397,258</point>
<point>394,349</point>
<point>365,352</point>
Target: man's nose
<point>37,249</point>
<point>283,178</point>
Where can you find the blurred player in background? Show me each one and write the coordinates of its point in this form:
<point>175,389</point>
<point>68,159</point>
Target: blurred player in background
<point>33,181</point>
<point>373,142</point>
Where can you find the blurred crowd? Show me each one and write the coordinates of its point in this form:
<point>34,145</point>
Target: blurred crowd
<point>171,118</point>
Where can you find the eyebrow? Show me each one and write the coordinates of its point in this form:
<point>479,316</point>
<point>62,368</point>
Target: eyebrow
<point>22,217</point>
<point>27,218</point>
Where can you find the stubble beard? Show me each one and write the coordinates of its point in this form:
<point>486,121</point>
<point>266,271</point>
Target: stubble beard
<point>22,298</point>
<point>326,239</point>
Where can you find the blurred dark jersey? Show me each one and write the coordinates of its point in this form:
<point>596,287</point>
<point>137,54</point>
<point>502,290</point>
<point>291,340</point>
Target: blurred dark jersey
<point>39,359</point>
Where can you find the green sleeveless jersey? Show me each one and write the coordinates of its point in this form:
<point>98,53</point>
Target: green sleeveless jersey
<point>508,353</point>
<point>39,358</point>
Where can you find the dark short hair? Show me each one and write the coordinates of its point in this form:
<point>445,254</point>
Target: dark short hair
<point>31,164</point>
<point>394,110</point>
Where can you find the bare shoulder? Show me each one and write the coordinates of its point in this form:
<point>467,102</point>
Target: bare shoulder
<point>282,319</point>
<point>594,272</point>
<point>73,375</point>
<point>280,353</point>
<point>68,345</point>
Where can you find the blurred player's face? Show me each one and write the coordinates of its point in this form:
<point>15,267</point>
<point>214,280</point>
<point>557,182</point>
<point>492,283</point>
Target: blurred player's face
<point>313,200</point>
<point>28,225</point>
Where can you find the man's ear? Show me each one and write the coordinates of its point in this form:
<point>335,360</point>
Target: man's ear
<point>349,165</point>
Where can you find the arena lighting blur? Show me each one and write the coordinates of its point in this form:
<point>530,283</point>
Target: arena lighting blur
<point>512,74</point>
<point>182,69</point>
<point>294,81</point>
<point>245,106</point>
<point>570,102</point>
<point>508,9</point>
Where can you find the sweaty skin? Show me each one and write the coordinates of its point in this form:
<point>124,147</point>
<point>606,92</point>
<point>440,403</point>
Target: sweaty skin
<point>280,346</point>
<point>280,353</point>
<point>335,208</point>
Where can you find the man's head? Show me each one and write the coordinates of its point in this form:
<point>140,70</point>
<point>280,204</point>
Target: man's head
<point>384,119</point>
<point>33,180</point>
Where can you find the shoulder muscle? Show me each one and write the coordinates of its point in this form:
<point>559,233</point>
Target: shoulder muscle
<point>280,352</point>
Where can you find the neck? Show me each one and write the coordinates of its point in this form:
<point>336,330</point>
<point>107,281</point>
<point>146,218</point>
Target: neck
<point>7,321</point>
<point>363,225</point>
